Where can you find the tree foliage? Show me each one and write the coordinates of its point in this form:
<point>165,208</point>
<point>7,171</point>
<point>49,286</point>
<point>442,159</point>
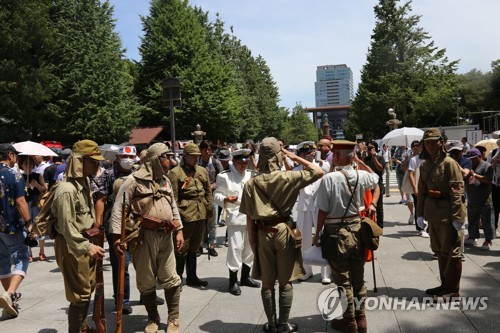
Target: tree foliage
<point>95,98</point>
<point>27,79</point>
<point>404,71</point>
<point>224,88</point>
<point>299,127</point>
<point>62,73</point>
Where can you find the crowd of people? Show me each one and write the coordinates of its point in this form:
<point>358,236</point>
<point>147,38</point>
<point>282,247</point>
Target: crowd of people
<point>263,193</point>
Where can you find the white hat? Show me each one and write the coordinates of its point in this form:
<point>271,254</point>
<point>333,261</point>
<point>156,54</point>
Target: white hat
<point>127,150</point>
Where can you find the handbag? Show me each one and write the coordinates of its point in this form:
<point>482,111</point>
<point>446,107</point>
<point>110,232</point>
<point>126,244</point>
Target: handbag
<point>314,256</point>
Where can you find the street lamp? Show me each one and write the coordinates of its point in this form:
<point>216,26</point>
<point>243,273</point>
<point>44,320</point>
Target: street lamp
<point>172,93</point>
<point>458,109</point>
<point>393,123</point>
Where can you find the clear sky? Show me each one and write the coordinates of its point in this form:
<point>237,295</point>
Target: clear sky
<point>296,36</point>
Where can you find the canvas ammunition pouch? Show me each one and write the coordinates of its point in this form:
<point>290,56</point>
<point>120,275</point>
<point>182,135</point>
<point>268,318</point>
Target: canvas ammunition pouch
<point>330,246</point>
<point>370,233</point>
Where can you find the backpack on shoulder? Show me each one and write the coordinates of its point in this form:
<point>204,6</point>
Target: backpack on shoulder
<point>45,222</point>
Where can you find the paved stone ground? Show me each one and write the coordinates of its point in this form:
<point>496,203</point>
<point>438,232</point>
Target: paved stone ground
<point>404,268</point>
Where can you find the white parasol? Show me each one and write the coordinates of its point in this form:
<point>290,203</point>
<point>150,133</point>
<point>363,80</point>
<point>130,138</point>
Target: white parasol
<point>33,148</point>
<point>109,151</point>
<point>402,136</point>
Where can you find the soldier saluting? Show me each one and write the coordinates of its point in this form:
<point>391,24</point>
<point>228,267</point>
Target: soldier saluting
<point>267,201</point>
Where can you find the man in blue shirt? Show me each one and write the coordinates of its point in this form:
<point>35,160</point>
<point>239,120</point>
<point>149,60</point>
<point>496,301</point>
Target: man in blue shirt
<point>14,216</point>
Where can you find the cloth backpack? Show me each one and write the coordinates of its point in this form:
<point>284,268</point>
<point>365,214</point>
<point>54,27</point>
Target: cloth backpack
<point>45,222</point>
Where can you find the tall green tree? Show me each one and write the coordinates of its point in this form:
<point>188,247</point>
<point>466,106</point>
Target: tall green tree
<point>175,45</point>
<point>27,79</point>
<point>95,99</point>
<point>299,127</point>
<point>404,71</point>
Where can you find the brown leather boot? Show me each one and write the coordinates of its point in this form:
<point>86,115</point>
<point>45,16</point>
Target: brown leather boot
<point>173,326</point>
<point>361,322</point>
<point>345,325</point>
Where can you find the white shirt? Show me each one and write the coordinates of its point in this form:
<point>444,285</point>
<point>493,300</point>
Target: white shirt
<point>305,201</point>
<point>41,168</point>
<point>333,194</point>
<point>414,165</point>
<point>386,154</point>
<point>230,183</point>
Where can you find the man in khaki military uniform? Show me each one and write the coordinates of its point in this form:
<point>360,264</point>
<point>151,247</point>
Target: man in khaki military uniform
<point>148,193</point>
<point>75,255</point>
<point>440,202</point>
<point>193,194</point>
<point>340,215</point>
<point>267,200</point>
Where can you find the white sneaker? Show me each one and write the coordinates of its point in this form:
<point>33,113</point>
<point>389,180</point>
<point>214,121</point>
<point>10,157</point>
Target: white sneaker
<point>411,219</point>
<point>423,234</point>
<point>326,281</point>
<point>470,242</point>
<point>6,302</point>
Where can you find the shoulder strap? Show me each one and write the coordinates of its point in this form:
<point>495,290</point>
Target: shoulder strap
<point>353,198</point>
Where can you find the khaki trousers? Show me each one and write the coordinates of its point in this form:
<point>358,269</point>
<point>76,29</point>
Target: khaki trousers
<point>79,274</point>
<point>348,272</point>
<point>154,261</point>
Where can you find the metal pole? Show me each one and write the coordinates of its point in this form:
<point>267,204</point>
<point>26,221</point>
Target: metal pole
<point>172,121</point>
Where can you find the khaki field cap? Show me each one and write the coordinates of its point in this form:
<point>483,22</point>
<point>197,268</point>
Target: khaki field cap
<point>433,134</point>
<point>343,145</point>
<point>192,149</point>
<point>88,148</point>
<point>269,147</point>
<point>157,150</point>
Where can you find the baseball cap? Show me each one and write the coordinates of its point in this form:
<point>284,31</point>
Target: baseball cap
<point>8,148</point>
<point>454,145</point>
<point>472,153</point>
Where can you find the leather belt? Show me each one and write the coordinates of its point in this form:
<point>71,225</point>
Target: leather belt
<point>266,228</point>
<point>155,225</point>
<point>275,220</point>
<point>338,220</point>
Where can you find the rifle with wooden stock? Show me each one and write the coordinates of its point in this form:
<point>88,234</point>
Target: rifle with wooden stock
<point>99,315</point>
<point>121,271</point>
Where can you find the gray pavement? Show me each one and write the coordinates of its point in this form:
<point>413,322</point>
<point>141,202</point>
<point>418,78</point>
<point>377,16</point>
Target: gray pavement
<point>404,268</point>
